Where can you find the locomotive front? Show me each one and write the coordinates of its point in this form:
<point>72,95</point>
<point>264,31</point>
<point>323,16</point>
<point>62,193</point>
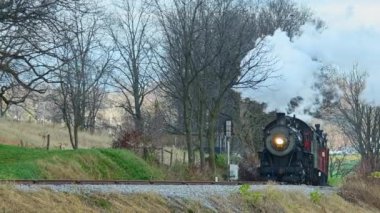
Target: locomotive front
<point>294,152</point>
<point>281,139</point>
<point>281,158</point>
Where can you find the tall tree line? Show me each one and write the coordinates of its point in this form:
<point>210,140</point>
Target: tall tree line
<point>194,51</point>
<point>212,47</point>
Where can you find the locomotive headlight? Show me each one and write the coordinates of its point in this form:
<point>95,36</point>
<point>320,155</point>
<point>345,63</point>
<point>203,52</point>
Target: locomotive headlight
<point>279,142</point>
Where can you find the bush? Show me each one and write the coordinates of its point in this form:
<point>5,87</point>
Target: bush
<point>375,174</point>
<point>221,161</point>
<point>248,168</point>
<point>181,172</point>
<point>316,196</point>
<point>128,139</point>
<point>250,196</point>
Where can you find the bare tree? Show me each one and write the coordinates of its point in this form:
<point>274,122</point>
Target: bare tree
<point>358,119</point>
<point>86,61</point>
<point>285,15</point>
<point>242,61</point>
<point>180,30</point>
<point>132,36</point>
<point>339,165</point>
<point>240,58</point>
<point>253,120</point>
<point>209,48</point>
<point>95,101</point>
<point>27,44</point>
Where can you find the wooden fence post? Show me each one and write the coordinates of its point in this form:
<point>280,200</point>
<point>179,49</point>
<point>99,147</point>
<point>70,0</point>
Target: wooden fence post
<point>48,142</point>
<point>145,153</point>
<point>162,155</point>
<point>171,157</point>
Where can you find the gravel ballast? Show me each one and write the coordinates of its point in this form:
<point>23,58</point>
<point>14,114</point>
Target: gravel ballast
<point>182,191</point>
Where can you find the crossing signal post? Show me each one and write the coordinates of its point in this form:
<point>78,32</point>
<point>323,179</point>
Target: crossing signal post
<point>228,134</point>
<point>232,168</point>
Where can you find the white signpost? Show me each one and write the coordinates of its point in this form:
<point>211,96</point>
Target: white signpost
<point>233,169</point>
<point>228,136</point>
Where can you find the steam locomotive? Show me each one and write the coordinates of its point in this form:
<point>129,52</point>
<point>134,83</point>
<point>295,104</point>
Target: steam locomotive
<point>294,152</point>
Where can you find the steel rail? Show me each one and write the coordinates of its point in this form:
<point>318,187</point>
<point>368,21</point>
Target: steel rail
<point>127,182</point>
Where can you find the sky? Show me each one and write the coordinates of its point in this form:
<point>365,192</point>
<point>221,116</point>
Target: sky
<point>352,36</point>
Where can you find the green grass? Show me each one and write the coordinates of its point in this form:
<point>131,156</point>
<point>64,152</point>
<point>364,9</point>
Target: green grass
<point>350,161</point>
<point>32,163</point>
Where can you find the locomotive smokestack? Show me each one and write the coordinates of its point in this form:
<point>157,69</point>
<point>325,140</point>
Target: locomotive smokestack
<point>280,115</point>
<point>318,127</point>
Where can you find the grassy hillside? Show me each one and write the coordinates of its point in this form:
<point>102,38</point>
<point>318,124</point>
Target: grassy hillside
<point>31,134</point>
<point>362,189</point>
<point>32,163</point>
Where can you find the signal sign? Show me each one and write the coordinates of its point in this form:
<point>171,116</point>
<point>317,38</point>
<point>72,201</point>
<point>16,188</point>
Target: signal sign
<point>228,128</point>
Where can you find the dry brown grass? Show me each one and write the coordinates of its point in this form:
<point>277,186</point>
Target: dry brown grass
<point>13,200</point>
<point>362,191</point>
<point>42,201</point>
<point>274,201</point>
<point>32,135</point>
<point>271,200</point>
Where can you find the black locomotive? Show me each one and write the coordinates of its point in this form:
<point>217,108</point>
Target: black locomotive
<point>294,152</point>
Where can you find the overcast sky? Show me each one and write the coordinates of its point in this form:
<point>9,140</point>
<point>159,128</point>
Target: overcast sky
<point>352,36</point>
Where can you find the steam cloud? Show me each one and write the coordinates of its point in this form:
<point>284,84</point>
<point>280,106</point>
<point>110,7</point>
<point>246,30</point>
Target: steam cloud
<point>341,44</point>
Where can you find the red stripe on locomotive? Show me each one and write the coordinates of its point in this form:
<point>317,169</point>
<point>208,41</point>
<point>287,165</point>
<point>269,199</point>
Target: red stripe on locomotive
<point>323,159</point>
<point>307,141</point>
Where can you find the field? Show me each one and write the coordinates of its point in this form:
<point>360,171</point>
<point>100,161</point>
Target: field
<point>341,166</point>
<point>34,135</point>
<point>36,163</point>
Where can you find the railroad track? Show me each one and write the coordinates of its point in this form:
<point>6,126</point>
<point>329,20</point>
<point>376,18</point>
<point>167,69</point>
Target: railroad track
<point>127,182</point>
<point>140,182</point>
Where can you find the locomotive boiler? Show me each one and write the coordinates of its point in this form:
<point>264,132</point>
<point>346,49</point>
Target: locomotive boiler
<point>294,152</point>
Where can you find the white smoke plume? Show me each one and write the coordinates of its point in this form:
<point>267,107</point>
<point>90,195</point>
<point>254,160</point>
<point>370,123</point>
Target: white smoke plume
<point>349,38</point>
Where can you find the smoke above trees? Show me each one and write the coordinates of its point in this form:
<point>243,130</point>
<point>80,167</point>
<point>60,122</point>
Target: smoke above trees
<point>300,59</point>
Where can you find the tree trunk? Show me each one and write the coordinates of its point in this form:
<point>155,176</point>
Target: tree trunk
<point>211,140</point>
<point>211,133</point>
<point>76,137</point>
<point>70,134</point>
<point>211,144</point>
<point>137,105</point>
<point>201,151</point>
<point>138,120</point>
<point>200,134</point>
<point>187,125</point>
<point>1,109</point>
